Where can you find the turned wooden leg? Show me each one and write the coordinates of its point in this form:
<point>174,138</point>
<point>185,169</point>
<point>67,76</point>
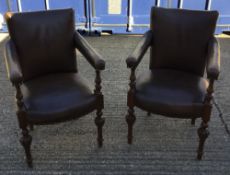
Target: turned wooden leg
<point>99,121</point>
<point>193,121</point>
<point>130,119</point>
<point>203,134</point>
<point>31,126</point>
<point>25,141</point>
<point>149,113</point>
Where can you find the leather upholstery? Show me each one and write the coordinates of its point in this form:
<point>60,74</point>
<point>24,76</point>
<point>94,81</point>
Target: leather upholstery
<point>171,93</point>
<point>44,41</point>
<point>41,61</point>
<point>135,58</point>
<point>213,59</point>
<point>182,45</point>
<point>90,54</point>
<point>181,38</point>
<point>12,63</point>
<point>57,97</point>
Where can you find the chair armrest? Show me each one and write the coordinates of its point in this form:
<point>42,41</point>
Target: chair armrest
<point>213,59</point>
<point>12,63</point>
<point>135,58</point>
<point>89,53</point>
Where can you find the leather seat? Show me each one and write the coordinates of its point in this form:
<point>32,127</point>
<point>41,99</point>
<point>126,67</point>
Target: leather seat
<point>170,92</point>
<point>53,97</point>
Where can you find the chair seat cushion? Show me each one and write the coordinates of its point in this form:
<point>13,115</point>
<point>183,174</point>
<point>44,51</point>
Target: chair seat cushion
<point>171,93</point>
<point>57,97</point>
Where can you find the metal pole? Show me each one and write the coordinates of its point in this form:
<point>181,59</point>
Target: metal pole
<point>9,5</point>
<point>130,16</point>
<point>89,14</point>
<point>86,14</point>
<point>169,3</point>
<point>47,4</point>
<point>157,3</point>
<point>208,4</point>
<point>19,5</point>
<point>179,4</point>
<point>93,9</point>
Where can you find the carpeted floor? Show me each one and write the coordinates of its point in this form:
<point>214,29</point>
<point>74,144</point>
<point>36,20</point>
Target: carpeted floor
<point>161,145</point>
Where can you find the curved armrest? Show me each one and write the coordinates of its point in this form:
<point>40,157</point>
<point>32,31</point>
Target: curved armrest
<point>12,63</point>
<point>213,59</point>
<point>90,54</point>
<point>135,58</point>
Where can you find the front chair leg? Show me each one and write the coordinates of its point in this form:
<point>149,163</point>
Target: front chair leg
<point>130,119</point>
<point>99,121</point>
<point>203,134</point>
<point>25,141</point>
<point>26,138</point>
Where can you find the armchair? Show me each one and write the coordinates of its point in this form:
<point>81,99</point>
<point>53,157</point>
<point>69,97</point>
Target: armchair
<point>182,46</point>
<point>41,62</point>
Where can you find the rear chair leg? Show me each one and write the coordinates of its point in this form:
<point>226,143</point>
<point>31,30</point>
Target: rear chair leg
<point>193,121</point>
<point>31,126</point>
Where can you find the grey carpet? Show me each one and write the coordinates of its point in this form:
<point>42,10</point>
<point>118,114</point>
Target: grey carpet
<point>161,145</point>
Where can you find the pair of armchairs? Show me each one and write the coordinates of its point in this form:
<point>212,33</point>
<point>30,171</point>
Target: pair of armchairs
<point>42,66</point>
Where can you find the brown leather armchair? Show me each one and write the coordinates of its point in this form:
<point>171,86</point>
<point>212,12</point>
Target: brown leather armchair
<point>41,61</point>
<point>182,46</point>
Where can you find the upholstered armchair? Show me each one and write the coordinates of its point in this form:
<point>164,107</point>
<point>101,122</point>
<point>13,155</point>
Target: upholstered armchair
<point>41,62</point>
<point>182,48</point>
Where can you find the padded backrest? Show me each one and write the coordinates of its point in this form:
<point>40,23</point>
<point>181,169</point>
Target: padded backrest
<point>44,41</point>
<point>180,38</point>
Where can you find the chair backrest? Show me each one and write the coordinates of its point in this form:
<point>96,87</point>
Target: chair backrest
<point>180,38</point>
<point>44,41</point>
